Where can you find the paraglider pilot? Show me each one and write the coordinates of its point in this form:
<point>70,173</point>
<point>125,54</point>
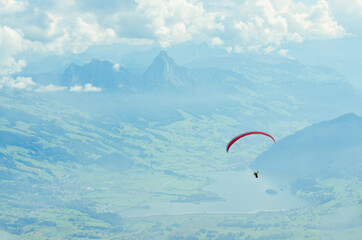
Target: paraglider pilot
<point>256,174</point>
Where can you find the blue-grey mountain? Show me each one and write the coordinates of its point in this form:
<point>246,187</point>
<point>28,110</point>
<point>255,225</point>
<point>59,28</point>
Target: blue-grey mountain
<point>327,148</point>
<point>165,74</point>
<point>102,74</point>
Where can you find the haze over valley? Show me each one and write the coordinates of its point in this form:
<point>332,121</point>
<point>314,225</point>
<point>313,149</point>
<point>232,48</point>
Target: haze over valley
<point>115,117</point>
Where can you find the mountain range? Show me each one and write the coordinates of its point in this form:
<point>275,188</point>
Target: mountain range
<point>102,74</point>
<point>74,162</point>
<point>277,75</point>
<point>163,75</point>
<point>328,148</point>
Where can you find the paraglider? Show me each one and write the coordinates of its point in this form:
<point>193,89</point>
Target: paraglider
<point>243,135</point>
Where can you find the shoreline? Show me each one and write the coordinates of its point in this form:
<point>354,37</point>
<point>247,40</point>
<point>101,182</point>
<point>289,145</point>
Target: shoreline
<point>197,213</point>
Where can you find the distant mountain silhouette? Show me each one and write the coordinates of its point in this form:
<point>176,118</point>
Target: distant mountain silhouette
<point>327,148</point>
<point>165,74</point>
<point>220,80</point>
<point>102,74</point>
<point>276,76</point>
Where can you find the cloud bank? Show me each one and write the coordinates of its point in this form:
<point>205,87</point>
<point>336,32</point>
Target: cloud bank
<point>263,25</point>
<point>177,20</point>
<point>25,83</point>
<point>12,44</point>
<point>50,88</point>
<point>86,88</point>
<point>61,27</point>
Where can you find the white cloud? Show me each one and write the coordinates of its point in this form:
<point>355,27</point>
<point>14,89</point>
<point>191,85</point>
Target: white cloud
<point>67,26</point>
<point>76,88</point>
<point>12,44</point>
<point>352,7</point>
<point>116,67</point>
<point>24,83</point>
<point>216,41</point>
<point>50,88</point>
<point>76,32</point>
<point>266,24</point>
<point>175,21</point>
<point>319,24</point>
<point>64,4</point>
<point>60,26</point>
<point>238,49</point>
<point>11,6</point>
<point>349,13</point>
<point>87,88</point>
<point>285,53</point>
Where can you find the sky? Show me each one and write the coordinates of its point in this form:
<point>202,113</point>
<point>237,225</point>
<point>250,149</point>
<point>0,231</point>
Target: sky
<point>70,27</point>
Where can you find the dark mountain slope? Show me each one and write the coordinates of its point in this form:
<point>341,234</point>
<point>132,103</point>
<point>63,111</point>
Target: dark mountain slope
<point>102,74</point>
<point>165,74</point>
<point>329,147</point>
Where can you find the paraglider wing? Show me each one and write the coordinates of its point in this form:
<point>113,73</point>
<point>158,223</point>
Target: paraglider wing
<point>243,135</point>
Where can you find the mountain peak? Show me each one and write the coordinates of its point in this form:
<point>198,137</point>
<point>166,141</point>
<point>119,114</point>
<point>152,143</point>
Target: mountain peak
<point>98,63</point>
<point>95,60</point>
<point>163,53</point>
<point>347,117</point>
<point>163,58</point>
<point>165,73</point>
<point>99,73</point>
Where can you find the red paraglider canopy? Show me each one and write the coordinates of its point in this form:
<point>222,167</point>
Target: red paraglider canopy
<point>243,135</point>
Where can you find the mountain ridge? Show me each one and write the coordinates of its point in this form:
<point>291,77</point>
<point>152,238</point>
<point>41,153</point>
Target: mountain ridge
<point>322,148</point>
<point>103,74</point>
<point>164,73</point>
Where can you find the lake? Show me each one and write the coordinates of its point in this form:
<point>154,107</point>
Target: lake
<point>241,191</point>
